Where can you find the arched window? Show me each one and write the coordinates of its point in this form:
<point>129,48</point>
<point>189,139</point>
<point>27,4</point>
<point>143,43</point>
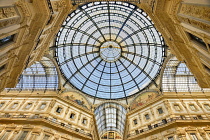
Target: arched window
<point>39,76</point>
<point>178,78</point>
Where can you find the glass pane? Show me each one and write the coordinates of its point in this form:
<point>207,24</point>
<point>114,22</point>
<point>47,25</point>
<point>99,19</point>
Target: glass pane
<point>39,76</point>
<point>109,49</point>
<point>110,116</point>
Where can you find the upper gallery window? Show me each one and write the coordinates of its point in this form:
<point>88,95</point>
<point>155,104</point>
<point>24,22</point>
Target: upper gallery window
<point>5,135</point>
<point>171,138</point>
<point>198,40</point>
<point>109,49</point>
<point>43,105</point>
<point>182,117</point>
<point>160,110</point>
<point>6,40</point>
<point>193,136</point>
<point>28,105</point>
<point>23,135</point>
<point>2,68</point>
<point>177,107</point>
<point>1,104</point>
<point>147,116</point>
<point>54,120</point>
<point>14,105</point>
<point>192,107</point>
<point>84,121</point>
<point>46,137</point>
<point>72,115</point>
<point>207,106</point>
<point>58,110</point>
<point>135,122</point>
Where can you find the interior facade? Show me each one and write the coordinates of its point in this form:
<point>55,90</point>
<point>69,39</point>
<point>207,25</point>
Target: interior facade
<point>99,70</point>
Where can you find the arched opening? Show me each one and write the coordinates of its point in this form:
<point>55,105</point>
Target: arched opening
<point>41,76</point>
<point>110,117</point>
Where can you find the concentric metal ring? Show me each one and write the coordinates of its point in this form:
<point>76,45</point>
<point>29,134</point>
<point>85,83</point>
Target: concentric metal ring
<point>109,49</point>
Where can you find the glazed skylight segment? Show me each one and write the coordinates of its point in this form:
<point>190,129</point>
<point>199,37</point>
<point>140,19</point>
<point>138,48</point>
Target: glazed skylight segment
<point>109,49</point>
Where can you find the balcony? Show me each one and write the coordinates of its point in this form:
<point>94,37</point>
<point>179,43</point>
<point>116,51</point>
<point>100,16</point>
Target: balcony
<point>44,119</point>
<point>165,122</point>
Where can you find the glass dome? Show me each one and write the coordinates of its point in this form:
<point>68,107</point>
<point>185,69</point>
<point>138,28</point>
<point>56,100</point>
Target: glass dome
<point>109,50</point>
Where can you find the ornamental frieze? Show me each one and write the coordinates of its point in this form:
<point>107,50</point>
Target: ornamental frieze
<point>7,12</point>
<point>9,22</point>
<point>197,11</point>
<point>195,23</point>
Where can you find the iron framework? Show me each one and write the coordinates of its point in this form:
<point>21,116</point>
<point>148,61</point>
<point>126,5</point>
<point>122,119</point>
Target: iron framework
<point>178,78</point>
<point>39,76</point>
<point>110,117</point>
<point>74,2</point>
<point>109,50</point>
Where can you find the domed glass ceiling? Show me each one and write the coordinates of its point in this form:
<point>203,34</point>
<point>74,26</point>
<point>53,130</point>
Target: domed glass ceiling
<point>109,50</point>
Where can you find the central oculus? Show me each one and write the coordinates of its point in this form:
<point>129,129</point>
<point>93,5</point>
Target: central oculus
<point>110,51</point>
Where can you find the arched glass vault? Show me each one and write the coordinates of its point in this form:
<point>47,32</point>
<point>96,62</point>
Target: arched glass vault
<point>110,117</point>
<point>178,78</point>
<point>109,50</point>
<point>41,75</point>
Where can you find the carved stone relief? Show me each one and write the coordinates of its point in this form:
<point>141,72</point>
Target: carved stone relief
<point>24,11</point>
<point>195,23</point>
<point>197,11</point>
<point>9,22</point>
<point>195,15</point>
<point>58,5</point>
<point>7,12</point>
<point>8,16</point>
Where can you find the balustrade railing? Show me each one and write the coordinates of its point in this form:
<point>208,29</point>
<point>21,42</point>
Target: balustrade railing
<point>62,124</point>
<point>164,122</point>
